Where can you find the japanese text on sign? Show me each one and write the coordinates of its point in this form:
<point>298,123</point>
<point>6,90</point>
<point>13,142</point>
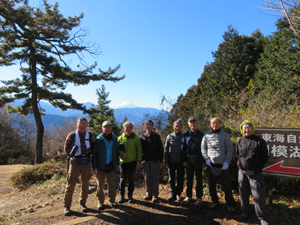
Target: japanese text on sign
<point>282,150</point>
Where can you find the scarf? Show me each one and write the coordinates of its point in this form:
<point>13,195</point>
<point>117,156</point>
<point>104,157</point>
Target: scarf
<point>215,131</point>
<point>77,142</point>
<point>108,136</point>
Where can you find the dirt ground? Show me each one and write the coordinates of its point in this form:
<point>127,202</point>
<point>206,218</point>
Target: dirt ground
<point>49,210</point>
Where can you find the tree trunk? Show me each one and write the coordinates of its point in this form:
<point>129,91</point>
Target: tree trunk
<point>36,113</point>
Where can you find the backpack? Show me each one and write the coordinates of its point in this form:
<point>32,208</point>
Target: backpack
<point>82,160</point>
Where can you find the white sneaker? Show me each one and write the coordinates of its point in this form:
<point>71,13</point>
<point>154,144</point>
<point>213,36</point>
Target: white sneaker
<point>199,201</point>
<point>187,200</point>
<point>178,198</point>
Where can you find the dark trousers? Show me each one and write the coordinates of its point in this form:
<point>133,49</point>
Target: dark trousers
<point>190,170</point>
<point>254,184</point>
<point>127,170</point>
<point>173,168</point>
<point>226,183</point>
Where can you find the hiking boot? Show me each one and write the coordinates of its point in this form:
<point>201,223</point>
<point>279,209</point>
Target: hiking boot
<point>264,222</point>
<point>187,200</point>
<point>213,205</point>
<point>171,197</point>
<point>120,199</point>
<point>67,211</point>
<point>199,201</point>
<point>243,217</point>
<point>230,209</point>
<point>146,197</point>
<point>179,198</point>
<point>83,208</point>
<point>130,199</point>
<point>113,204</point>
<point>155,200</point>
<point>100,206</point>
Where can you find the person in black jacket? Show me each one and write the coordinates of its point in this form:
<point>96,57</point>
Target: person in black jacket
<point>192,159</point>
<point>252,155</point>
<point>152,157</point>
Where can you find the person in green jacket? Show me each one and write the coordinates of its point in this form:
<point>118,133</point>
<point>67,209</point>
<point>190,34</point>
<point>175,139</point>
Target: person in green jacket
<point>130,159</point>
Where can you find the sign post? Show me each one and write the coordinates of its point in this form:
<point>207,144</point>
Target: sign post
<point>284,153</point>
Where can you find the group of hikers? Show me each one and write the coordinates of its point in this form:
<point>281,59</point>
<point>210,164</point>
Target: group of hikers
<point>190,151</point>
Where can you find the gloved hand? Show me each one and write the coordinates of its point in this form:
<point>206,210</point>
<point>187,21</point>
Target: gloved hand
<point>208,162</point>
<point>225,166</point>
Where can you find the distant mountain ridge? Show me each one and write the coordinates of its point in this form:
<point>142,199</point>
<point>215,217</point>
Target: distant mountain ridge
<point>55,116</point>
<point>124,105</point>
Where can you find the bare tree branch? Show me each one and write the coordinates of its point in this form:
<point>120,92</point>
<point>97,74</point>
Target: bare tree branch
<point>290,9</point>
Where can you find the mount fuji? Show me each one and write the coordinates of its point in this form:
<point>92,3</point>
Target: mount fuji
<point>124,105</point>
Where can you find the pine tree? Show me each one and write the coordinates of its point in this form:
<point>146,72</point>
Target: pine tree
<point>279,67</point>
<point>101,112</point>
<point>235,63</point>
<point>39,40</point>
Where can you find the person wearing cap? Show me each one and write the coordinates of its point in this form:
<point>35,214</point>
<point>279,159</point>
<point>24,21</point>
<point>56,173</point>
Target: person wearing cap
<point>173,161</point>
<point>217,151</point>
<point>130,159</point>
<point>83,140</point>
<point>152,158</point>
<point>192,159</point>
<point>106,163</point>
<point>252,154</point>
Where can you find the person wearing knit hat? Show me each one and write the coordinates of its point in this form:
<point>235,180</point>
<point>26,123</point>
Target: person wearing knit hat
<point>173,161</point>
<point>252,154</point>
<point>178,122</point>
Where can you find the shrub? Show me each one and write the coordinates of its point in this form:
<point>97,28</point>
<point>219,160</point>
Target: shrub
<point>38,173</point>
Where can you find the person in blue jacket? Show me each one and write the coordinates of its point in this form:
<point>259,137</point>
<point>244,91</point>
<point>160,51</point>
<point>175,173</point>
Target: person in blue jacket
<point>105,163</point>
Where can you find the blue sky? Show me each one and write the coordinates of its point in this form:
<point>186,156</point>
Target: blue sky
<point>161,45</point>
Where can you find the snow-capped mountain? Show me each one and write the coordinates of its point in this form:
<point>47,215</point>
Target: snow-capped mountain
<point>124,105</point>
<point>55,116</point>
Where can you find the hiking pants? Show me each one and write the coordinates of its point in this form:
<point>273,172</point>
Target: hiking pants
<point>73,173</point>
<point>111,182</point>
<point>151,170</point>
<point>127,170</point>
<point>173,168</point>
<point>254,184</point>
<point>226,184</point>
<point>190,170</point>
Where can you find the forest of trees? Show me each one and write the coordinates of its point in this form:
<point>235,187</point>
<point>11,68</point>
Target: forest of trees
<point>252,77</point>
